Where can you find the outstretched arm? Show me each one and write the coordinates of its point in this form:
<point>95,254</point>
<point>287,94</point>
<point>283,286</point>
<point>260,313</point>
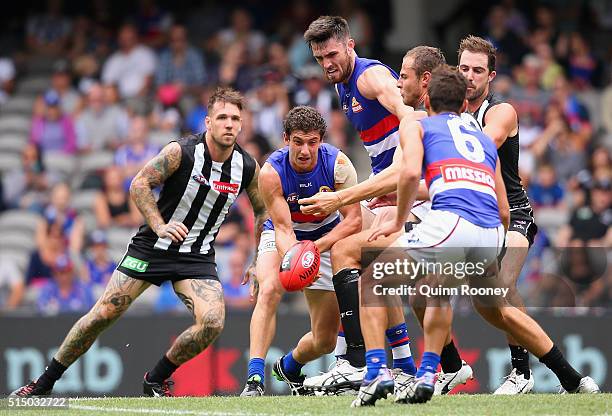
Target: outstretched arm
<point>152,175</point>
<point>377,83</point>
<point>345,176</point>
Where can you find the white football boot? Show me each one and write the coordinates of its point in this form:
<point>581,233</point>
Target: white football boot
<point>342,378</point>
<point>587,386</point>
<point>516,384</point>
<point>446,382</point>
<point>379,388</point>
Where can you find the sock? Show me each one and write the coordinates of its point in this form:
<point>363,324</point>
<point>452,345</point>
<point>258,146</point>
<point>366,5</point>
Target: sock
<point>290,365</point>
<point>340,350</point>
<point>450,359</point>
<point>400,347</point>
<point>162,370</point>
<point>429,363</point>
<point>346,286</point>
<point>520,360</point>
<point>257,368</point>
<point>375,360</point>
<point>52,373</point>
<point>567,375</point>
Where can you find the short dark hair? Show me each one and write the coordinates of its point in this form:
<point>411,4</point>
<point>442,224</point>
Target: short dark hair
<point>304,118</point>
<point>225,95</point>
<point>426,59</point>
<point>325,28</point>
<point>447,89</point>
<point>477,44</point>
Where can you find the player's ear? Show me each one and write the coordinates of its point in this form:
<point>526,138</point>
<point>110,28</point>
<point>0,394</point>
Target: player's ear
<point>285,138</point>
<point>351,43</point>
<point>425,78</point>
<point>208,122</point>
<point>492,75</point>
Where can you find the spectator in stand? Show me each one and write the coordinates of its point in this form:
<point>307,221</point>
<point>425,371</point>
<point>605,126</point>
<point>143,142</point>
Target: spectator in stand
<point>237,296</point>
<point>545,191</point>
<point>269,106</point>
<point>7,79</point>
<point>584,70</point>
<point>195,120</point>
<point>153,23</point>
<point>27,186</point>
<point>131,68</point>
<point>360,24</point>
<point>100,126</point>
<point>313,92</point>
<point>550,68</point>
<point>241,30</point>
<point>65,293</point>
<point>559,145</point>
<point>181,64</point>
<point>510,47</point>
<point>278,61</point>
<point>574,110</point>
<point>61,83</point>
<point>47,34</point>
<point>606,110</point>
<point>137,151</point>
<point>590,225</point>
<point>234,69</point>
<point>113,206</point>
<point>98,265</point>
<point>12,285</point>
<point>54,130</point>
<point>42,259</point>
<point>527,97</point>
<point>61,214</point>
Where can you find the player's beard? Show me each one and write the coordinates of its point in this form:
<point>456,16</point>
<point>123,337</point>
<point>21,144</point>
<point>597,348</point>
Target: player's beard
<point>475,94</point>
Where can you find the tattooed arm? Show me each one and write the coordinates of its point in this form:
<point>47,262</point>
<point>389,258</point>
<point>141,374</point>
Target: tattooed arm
<point>152,175</point>
<point>261,215</point>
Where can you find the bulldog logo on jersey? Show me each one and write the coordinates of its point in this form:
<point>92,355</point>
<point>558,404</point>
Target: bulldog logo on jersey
<point>356,106</point>
<point>325,188</point>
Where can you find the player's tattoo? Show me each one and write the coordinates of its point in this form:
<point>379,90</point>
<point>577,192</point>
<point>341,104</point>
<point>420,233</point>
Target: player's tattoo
<point>207,290</point>
<point>208,326</point>
<point>117,298</point>
<point>152,175</point>
<point>187,301</point>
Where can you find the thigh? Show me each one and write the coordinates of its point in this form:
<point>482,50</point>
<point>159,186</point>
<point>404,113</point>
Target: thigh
<point>203,298</point>
<point>324,311</point>
<point>324,282</point>
<point>121,291</point>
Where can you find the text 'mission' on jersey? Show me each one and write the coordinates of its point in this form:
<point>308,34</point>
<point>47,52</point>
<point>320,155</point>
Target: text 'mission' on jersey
<point>377,127</point>
<point>508,157</point>
<point>459,169</point>
<point>199,194</point>
<point>304,185</point>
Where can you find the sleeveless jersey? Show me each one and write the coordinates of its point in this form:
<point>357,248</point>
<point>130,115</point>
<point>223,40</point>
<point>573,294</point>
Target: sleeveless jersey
<point>199,194</point>
<point>459,169</point>
<point>303,185</point>
<point>377,127</point>
<point>508,157</point>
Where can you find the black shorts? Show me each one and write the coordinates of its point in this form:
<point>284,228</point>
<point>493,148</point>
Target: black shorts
<point>157,266</point>
<point>522,221</point>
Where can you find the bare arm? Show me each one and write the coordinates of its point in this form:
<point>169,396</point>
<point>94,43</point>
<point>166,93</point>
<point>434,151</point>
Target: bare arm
<point>152,175</point>
<point>261,215</point>
<point>502,198</point>
<point>501,122</point>
<point>377,83</point>
<point>409,175</point>
<point>345,177</point>
<point>271,191</point>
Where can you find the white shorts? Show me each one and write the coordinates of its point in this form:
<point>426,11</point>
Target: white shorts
<point>441,231</point>
<point>267,243</point>
<point>419,209</point>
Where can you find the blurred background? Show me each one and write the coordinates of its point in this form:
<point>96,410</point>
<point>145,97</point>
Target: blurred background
<point>90,91</point>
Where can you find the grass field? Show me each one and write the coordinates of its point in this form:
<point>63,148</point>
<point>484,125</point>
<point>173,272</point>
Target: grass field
<point>464,405</point>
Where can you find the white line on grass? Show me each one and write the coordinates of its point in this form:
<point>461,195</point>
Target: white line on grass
<point>159,411</point>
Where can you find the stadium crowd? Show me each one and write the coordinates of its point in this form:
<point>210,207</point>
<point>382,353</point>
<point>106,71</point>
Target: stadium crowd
<point>87,99</point>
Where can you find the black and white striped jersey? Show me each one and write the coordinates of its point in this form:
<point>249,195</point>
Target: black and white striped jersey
<point>199,194</point>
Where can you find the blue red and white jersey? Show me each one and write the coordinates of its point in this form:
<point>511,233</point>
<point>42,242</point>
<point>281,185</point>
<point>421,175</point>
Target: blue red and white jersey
<point>377,127</point>
<point>459,169</point>
<point>304,185</point>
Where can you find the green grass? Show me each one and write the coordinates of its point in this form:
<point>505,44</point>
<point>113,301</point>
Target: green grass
<point>464,405</point>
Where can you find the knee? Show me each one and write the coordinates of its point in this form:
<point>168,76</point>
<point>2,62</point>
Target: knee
<point>211,326</point>
<point>269,294</point>
<point>326,343</point>
<point>343,248</point>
